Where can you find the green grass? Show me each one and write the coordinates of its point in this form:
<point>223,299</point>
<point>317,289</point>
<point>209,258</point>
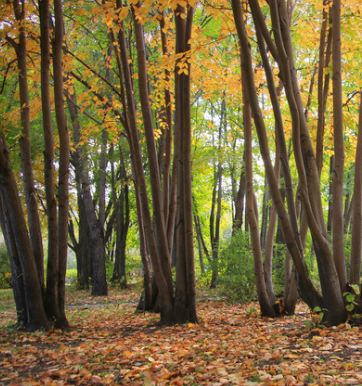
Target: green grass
<point>6,300</point>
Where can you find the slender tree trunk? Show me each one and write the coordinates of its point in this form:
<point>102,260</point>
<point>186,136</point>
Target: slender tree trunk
<point>216,202</point>
<point>304,155</point>
<point>338,172</point>
<point>291,234</point>
<point>164,280</point>
<point>330,201</point>
<point>15,265</point>
<point>51,297</point>
<point>99,280</point>
<point>168,128</point>
<point>239,203</point>
<point>199,232</point>
<point>323,63</point>
<point>199,244</point>
<point>356,244</point>
<point>185,293</point>
<point>158,212</point>
<point>269,242</point>
<point>63,199</point>
<point>36,317</point>
<point>348,217</point>
<point>121,206</point>
<point>146,303</point>
<point>265,216</point>
<point>266,307</point>
<point>103,179</point>
<point>24,141</point>
<point>84,249</point>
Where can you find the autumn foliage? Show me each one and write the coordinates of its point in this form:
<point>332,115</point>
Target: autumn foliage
<point>110,344</point>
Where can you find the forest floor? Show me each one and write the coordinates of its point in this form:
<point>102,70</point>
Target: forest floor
<point>111,344</point>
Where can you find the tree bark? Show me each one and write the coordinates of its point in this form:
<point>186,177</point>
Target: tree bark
<point>309,182</point>
<point>121,206</point>
<point>24,141</point>
<point>99,279</point>
<point>338,172</point>
<point>51,296</point>
<point>36,317</point>
<point>322,87</point>
<point>356,243</point>
<point>308,292</point>
<point>164,279</point>
<point>330,198</point>
<point>185,293</point>
<point>239,203</point>
<point>15,266</point>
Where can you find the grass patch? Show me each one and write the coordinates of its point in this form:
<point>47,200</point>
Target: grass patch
<point>7,300</point>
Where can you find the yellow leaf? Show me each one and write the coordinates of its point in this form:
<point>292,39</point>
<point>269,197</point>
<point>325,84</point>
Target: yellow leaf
<point>123,14</point>
<point>109,22</point>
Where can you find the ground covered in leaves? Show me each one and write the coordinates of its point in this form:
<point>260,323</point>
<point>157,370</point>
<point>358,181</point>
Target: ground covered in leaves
<point>111,344</point>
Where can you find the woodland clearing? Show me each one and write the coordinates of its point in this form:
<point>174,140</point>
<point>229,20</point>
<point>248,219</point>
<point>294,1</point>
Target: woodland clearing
<point>109,343</point>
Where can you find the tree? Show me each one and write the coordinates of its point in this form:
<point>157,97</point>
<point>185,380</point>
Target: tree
<point>156,221</point>
<point>95,228</point>
<point>25,243</point>
<point>328,258</point>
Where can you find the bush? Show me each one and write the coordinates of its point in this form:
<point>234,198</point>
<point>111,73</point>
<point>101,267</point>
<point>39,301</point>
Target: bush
<point>279,251</point>
<point>5,271</point>
<point>237,268</point>
<point>71,273</point>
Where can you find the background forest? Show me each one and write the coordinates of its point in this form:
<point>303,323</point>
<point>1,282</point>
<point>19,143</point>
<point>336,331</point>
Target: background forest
<point>181,142</point>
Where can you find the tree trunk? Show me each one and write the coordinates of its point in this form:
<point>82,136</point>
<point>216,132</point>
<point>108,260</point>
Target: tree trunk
<point>239,203</point>
<point>63,175</point>
<point>216,202</point>
<point>164,280</point>
<point>199,245</point>
<point>322,88</point>
<point>348,213</point>
<point>51,296</point>
<point>291,233</point>
<point>185,293</point>
<point>304,155</point>
<point>330,200</point>
<point>99,279</point>
<point>265,216</point>
<point>338,172</point>
<point>24,141</point>
<point>36,317</point>
<point>103,178</point>
<point>167,129</point>
<point>356,243</point>
<point>266,307</point>
<point>17,279</point>
<point>121,206</point>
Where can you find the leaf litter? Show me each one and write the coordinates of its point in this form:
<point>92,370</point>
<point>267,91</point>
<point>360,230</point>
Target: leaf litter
<point>111,344</point>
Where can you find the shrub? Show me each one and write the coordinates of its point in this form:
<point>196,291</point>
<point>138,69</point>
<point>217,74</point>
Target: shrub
<point>279,251</point>
<point>237,268</point>
<point>5,271</point>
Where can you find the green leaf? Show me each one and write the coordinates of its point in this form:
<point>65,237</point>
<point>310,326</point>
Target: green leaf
<point>355,288</point>
<point>350,298</point>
